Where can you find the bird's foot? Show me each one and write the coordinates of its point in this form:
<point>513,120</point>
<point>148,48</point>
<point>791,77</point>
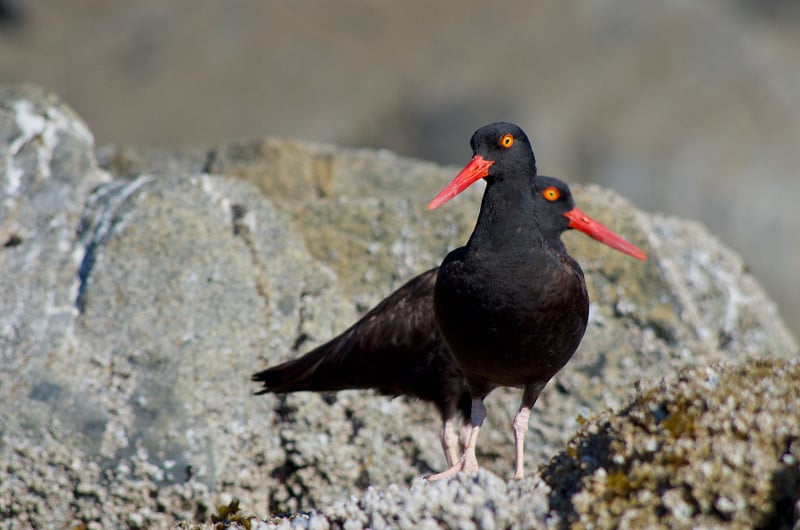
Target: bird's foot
<point>468,463</point>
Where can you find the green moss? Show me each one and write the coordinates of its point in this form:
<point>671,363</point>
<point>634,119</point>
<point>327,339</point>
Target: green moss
<point>571,451</point>
<point>679,424</point>
<point>228,514</point>
<point>618,482</point>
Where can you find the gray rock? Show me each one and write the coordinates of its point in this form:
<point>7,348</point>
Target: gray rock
<point>47,169</point>
<point>715,447</point>
<point>137,299</point>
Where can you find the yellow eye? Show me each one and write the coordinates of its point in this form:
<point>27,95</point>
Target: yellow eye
<point>551,193</point>
<point>507,141</point>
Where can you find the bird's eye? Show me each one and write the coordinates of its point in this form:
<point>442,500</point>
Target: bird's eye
<point>551,193</point>
<point>507,141</point>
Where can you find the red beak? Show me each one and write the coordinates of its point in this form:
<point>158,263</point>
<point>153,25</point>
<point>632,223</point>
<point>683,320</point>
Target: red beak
<point>580,221</point>
<point>477,169</point>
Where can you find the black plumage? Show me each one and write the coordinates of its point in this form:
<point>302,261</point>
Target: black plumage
<point>396,348</point>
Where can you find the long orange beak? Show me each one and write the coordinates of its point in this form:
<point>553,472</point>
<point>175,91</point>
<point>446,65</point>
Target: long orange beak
<point>580,221</point>
<point>477,169</point>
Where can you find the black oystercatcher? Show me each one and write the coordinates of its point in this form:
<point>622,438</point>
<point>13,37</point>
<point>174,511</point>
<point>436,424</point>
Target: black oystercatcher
<point>511,306</point>
<point>396,348</point>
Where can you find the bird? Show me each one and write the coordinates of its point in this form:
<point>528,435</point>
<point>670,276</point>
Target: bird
<point>396,349</point>
<point>511,305</point>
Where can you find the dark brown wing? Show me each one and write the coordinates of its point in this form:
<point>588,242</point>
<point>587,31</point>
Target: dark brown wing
<point>395,349</point>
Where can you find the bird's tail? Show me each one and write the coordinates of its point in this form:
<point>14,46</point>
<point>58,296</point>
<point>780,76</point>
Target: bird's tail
<point>291,376</point>
<point>316,371</point>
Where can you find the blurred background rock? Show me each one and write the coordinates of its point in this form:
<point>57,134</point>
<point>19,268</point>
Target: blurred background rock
<point>690,108</point>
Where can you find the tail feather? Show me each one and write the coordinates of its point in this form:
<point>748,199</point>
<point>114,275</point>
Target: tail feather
<point>296,375</point>
<point>386,350</point>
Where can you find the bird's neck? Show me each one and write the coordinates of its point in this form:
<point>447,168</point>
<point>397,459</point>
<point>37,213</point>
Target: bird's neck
<point>508,220</point>
<point>553,239</point>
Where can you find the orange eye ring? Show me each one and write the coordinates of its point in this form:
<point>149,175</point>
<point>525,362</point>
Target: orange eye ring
<point>507,141</point>
<point>551,193</point>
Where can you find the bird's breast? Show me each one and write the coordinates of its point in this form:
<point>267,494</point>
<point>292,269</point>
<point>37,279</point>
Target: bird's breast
<point>510,320</point>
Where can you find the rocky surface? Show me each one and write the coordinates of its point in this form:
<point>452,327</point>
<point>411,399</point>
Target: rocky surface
<point>140,288</point>
<point>715,447</point>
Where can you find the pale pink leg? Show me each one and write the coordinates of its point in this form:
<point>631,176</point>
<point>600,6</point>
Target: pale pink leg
<point>463,435</point>
<point>520,428</point>
<point>468,463</point>
<point>529,396</point>
<point>449,442</point>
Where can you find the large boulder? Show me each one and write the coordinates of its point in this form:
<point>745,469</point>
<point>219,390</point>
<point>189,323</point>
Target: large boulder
<point>141,291</point>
